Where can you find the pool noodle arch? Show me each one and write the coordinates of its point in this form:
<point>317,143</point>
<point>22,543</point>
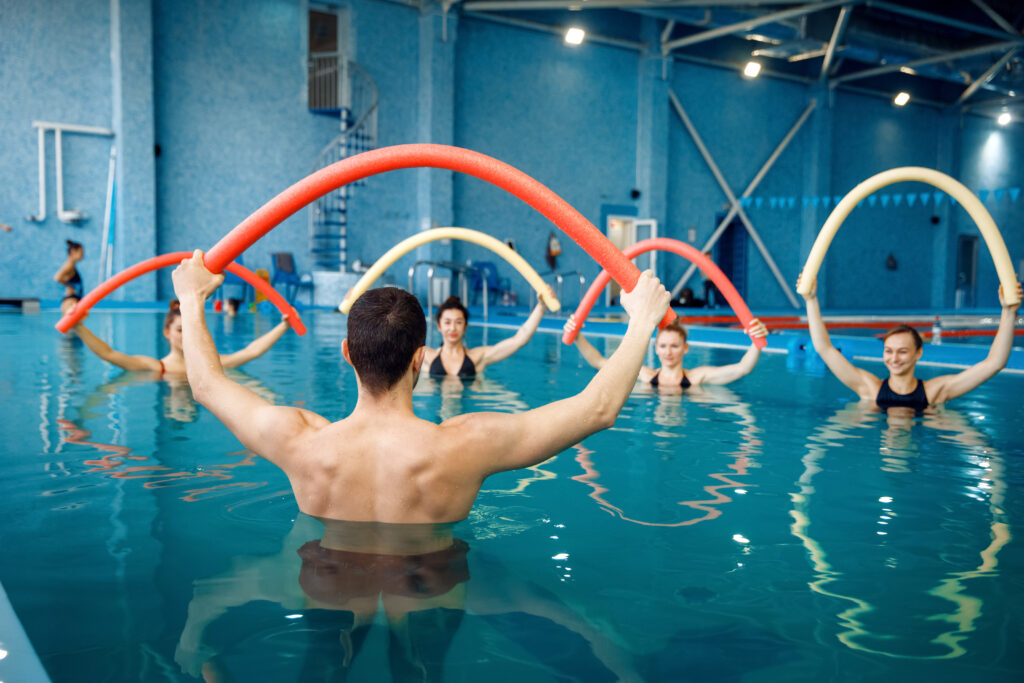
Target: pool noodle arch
<point>357,167</point>
<point>473,236</point>
<point>954,188</point>
<point>686,251</point>
<point>171,259</point>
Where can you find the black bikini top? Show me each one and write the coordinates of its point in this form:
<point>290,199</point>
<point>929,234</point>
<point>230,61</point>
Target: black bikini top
<point>468,368</point>
<point>685,384</point>
<point>916,399</point>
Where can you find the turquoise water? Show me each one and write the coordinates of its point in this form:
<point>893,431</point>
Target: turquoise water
<point>765,531</point>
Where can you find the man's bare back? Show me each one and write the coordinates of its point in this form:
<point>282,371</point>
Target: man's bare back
<point>382,463</point>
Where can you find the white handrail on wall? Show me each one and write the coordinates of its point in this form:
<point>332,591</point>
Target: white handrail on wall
<point>68,215</point>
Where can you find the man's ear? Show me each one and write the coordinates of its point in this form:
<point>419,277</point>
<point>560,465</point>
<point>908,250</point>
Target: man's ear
<point>344,352</point>
<point>417,359</point>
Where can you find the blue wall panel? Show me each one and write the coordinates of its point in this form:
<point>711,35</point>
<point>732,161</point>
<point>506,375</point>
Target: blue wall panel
<point>54,66</point>
<point>565,116</point>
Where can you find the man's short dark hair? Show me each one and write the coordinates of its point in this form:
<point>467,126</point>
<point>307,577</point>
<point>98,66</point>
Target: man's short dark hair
<point>904,329</point>
<point>385,328</point>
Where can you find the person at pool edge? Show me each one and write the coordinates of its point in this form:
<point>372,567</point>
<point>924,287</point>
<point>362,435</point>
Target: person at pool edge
<point>902,350</point>
<point>454,359</point>
<point>670,345</point>
<point>382,463</point>
<point>68,276</point>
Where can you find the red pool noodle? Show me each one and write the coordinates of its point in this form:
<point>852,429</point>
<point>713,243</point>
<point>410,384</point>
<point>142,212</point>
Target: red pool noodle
<point>486,168</point>
<point>82,307</point>
<point>688,252</point>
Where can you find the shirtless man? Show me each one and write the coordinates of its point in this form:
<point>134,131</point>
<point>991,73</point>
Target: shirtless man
<point>382,463</point>
<point>901,352</point>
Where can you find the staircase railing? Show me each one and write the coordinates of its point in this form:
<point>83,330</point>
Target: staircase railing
<point>354,97</point>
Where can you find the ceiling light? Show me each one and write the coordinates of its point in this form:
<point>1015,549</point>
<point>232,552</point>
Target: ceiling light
<point>907,70</point>
<point>1004,118</point>
<point>901,99</point>
<point>752,69</point>
<point>574,36</point>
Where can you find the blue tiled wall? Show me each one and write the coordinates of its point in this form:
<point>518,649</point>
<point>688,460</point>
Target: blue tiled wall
<point>219,85</point>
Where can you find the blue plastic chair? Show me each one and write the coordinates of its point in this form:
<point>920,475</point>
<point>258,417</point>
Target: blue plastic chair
<point>232,280</point>
<point>283,264</point>
<point>495,285</point>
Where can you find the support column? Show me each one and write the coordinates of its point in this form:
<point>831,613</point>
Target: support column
<point>654,74</point>
<point>817,180</point>
<point>435,199</point>
<point>131,57</point>
<point>944,239</point>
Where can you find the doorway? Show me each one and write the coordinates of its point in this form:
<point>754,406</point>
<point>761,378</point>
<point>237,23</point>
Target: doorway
<point>623,232</point>
<point>966,271</point>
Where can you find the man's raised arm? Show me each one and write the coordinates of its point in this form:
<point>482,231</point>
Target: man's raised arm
<point>505,442</point>
<point>262,427</point>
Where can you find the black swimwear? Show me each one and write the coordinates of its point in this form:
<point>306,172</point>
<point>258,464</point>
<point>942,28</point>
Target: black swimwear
<point>468,368</point>
<point>75,282</point>
<point>887,398</point>
<point>685,384</point>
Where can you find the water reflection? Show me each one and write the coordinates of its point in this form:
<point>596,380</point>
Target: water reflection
<point>903,451</point>
<point>333,581</point>
<point>670,412</point>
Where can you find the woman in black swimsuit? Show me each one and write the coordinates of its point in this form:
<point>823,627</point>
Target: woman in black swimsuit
<point>454,359</point>
<point>671,347</point>
<point>67,275</point>
<point>901,352</point>
<point>174,362</point>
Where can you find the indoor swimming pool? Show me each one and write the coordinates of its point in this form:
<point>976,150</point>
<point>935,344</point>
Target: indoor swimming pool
<point>771,530</point>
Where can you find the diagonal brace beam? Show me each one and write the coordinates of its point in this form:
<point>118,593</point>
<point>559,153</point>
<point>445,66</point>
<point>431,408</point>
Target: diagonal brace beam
<point>946,56</point>
<point>833,43</point>
<point>753,23</point>
<point>985,77</point>
<point>733,201</point>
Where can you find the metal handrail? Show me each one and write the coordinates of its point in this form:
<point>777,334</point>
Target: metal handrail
<point>458,270</point>
<point>559,280</point>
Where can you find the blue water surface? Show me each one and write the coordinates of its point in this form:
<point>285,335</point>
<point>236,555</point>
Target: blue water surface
<point>772,530</point>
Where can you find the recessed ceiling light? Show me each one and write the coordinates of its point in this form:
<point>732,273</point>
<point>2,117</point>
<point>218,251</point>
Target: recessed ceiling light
<point>901,99</point>
<point>752,69</point>
<point>1004,118</point>
<point>574,36</point>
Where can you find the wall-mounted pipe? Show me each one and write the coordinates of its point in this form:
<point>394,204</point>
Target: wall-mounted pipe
<point>69,215</point>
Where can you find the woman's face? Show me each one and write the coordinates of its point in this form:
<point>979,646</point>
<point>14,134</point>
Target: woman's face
<point>452,325</point>
<point>670,348</point>
<point>173,333</point>
<point>76,253</point>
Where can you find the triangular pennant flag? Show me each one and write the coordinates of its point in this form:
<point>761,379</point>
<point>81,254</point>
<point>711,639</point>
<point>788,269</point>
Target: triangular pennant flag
<point>772,202</point>
<point>982,195</point>
<point>805,200</point>
<point>758,201</point>
<point>815,201</point>
<point>825,200</point>
<point>937,196</point>
<point>952,200</point>
<point>837,199</point>
<point>998,194</point>
<point>791,201</point>
<point>745,201</point>
<point>911,198</point>
<point>924,198</point>
<point>897,199</point>
<point>872,199</point>
<point>885,200</point>
<point>1014,193</point>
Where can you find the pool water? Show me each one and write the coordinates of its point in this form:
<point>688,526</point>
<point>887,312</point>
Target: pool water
<point>769,530</point>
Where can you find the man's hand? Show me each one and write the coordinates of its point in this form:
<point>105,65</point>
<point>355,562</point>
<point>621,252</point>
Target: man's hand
<point>814,288</point>
<point>1012,308</point>
<point>192,281</point>
<point>648,301</point>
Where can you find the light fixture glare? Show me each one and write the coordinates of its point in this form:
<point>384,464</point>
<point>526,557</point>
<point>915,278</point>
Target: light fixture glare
<point>752,69</point>
<point>901,99</point>
<point>574,36</point>
<point>1004,118</point>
